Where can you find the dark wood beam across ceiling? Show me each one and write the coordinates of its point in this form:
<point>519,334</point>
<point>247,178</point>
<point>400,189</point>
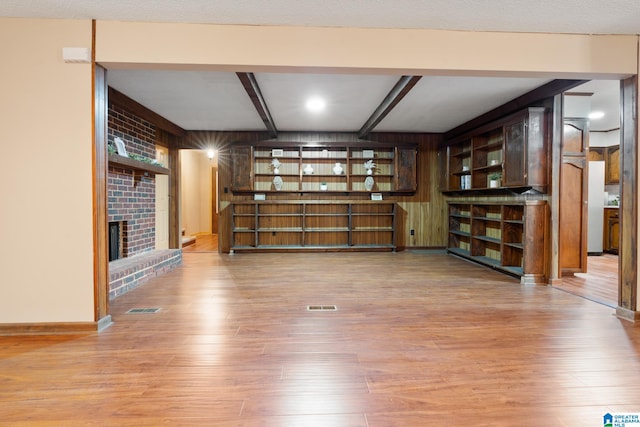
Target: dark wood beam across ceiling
<point>399,91</point>
<point>537,95</point>
<point>253,90</point>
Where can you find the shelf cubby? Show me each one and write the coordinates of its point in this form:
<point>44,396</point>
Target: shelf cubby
<point>495,234</point>
<point>313,225</point>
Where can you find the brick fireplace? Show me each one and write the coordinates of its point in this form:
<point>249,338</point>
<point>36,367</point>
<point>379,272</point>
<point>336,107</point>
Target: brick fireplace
<point>130,194</point>
<point>131,209</point>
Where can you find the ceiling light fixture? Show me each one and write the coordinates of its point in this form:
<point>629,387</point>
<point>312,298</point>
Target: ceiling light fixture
<point>595,115</point>
<point>315,105</point>
<point>211,153</point>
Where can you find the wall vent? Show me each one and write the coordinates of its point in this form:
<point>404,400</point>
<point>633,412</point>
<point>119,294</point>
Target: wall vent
<point>322,308</point>
<point>143,311</point>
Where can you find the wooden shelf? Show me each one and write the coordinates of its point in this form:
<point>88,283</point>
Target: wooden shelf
<point>137,165</point>
<point>508,236</point>
<point>395,172</point>
<point>516,147</point>
<point>313,225</point>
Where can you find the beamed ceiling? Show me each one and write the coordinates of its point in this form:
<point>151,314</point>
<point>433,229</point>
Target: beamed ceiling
<point>273,102</point>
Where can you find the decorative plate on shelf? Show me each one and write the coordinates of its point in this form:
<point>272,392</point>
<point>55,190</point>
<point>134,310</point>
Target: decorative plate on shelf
<point>368,183</point>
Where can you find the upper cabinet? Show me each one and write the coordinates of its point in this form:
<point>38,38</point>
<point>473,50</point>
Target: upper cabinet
<point>511,153</point>
<point>611,157</point>
<point>345,168</point>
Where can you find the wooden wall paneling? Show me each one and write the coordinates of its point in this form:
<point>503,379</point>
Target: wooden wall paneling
<point>628,258</point>
<point>423,211</point>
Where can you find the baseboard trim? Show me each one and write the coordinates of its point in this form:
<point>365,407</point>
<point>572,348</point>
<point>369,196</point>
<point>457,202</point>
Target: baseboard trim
<point>626,314</point>
<point>55,328</point>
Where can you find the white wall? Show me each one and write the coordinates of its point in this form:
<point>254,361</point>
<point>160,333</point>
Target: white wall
<point>46,255</point>
<point>604,139</point>
<point>196,191</point>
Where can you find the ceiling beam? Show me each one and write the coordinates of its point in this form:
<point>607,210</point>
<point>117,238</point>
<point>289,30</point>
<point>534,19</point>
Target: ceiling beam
<point>537,95</point>
<point>253,90</point>
<point>134,107</point>
<point>402,87</point>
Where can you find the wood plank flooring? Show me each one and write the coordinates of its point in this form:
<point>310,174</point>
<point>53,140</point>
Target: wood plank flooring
<point>416,340</point>
<point>204,243</point>
<point>599,284</point>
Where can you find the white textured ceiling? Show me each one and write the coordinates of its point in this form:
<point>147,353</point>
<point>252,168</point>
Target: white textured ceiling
<point>217,100</point>
<point>558,16</point>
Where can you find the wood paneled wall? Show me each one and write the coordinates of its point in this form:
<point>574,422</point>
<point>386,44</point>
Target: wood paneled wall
<point>424,212</point>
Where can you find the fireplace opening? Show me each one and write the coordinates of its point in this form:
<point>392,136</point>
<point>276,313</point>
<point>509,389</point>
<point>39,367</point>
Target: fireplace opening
<point>116,240</point>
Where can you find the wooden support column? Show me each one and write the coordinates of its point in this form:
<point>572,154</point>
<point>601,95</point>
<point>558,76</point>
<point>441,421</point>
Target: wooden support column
<point>557,121</point>
<point>99,154</point>
<point>175,238</point>
<point>628,258</point>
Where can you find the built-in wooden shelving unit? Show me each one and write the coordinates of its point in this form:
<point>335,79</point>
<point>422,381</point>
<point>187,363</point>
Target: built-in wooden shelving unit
<point>313,225</point>
<point>329,168</point>
<point>516,148</point>
<point>508,236</point>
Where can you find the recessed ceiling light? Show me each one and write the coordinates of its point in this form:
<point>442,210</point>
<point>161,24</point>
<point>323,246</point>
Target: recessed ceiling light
<point>595,115</point>
<point>315,105</point>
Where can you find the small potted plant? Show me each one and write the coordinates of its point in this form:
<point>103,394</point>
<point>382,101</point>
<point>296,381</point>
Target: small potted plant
<point>494,179</point>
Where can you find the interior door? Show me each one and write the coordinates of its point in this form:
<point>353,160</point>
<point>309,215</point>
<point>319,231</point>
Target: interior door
<point>573,225</point>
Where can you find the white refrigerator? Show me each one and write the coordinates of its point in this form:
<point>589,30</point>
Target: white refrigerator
<point>595,209</point>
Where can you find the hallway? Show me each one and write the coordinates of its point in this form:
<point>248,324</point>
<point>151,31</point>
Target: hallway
<point>415,338</point>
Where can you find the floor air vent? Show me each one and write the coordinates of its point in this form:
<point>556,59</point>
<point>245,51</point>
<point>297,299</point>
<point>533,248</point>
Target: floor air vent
<point>322,308</point>
<point>143,311</point>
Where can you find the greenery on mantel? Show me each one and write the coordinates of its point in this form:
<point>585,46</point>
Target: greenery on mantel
<point>112,150</point>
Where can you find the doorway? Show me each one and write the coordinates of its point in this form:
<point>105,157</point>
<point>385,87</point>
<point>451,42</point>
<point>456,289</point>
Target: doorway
<point>198,202</point>
<point>599,281</point>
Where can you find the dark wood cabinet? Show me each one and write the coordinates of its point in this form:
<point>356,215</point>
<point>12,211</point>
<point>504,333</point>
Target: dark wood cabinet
<point>611,157</point>
<point>515,149</point>
<point>611,235</point>
<point>612,165</point>
<point>242,168</point>
<point>333,168</point>
<point>508,236</point>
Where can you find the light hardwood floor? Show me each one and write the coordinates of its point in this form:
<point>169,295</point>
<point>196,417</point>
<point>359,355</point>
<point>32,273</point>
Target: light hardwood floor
<point>416,340</point>
<point>204,243</point>
<point>599,284</point>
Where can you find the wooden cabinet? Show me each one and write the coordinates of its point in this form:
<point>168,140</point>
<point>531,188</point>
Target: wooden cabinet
<point>611,157</point>
<point>516,148</point>
<point>510,237</point>
<point>612,165</point>
<point>313,225</point>
<point>611,235</point>
<point>329,168</point>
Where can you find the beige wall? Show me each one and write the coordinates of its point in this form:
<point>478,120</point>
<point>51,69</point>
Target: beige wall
<point>240,48</point>
<point>46,255</point>
<point>195,191</point>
